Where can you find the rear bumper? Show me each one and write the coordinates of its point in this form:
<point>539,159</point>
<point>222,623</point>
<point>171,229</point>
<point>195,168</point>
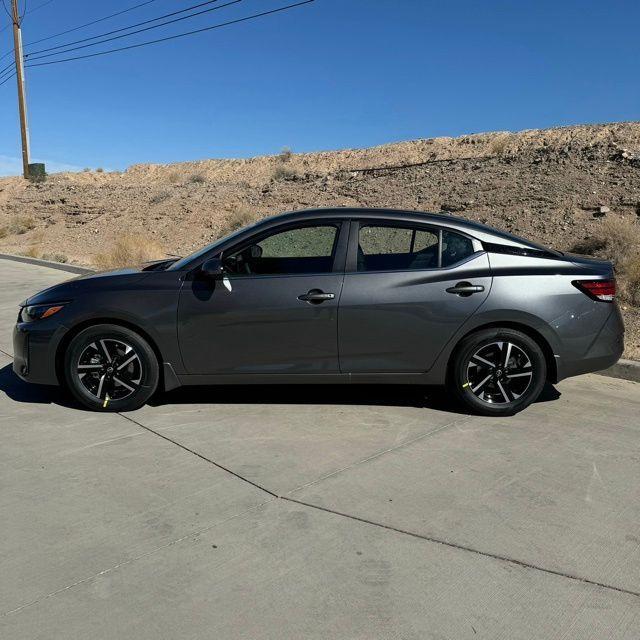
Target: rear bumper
<point>603,352</point>
<point>34,352</point>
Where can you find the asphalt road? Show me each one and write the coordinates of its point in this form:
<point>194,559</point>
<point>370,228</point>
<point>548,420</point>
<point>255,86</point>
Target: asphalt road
<point>315,512</point>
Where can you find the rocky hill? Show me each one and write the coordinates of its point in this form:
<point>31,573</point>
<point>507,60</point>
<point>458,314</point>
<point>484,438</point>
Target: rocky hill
<point>564,187</point>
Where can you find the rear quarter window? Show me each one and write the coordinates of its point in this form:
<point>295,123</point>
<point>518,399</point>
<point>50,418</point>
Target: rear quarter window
<point>455,248</point>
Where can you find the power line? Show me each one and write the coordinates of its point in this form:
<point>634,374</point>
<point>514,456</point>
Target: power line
<point>88,24</point>
<point>7,78</point>
<point>43,4</point>
<point>133,26</point>
<point>174,37</point>
<point>82,26</point>
<point>9,66</point>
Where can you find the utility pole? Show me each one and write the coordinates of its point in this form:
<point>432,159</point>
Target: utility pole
<point>22,99</point>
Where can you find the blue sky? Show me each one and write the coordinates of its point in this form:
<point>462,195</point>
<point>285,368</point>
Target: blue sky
<point>332,74</point>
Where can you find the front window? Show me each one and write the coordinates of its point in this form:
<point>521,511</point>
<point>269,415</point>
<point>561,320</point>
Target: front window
<point>308,249</point>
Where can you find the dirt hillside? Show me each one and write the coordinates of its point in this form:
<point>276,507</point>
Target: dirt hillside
<point>563,187</point>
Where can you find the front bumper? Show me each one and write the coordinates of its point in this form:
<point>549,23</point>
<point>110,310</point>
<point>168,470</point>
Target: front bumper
<point>34,351</point>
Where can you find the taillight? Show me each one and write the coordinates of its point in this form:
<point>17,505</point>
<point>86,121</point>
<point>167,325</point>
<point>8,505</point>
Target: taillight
<point>604,290</point>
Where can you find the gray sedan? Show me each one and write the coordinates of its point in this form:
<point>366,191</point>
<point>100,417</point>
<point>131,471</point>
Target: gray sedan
<point>331,296</point>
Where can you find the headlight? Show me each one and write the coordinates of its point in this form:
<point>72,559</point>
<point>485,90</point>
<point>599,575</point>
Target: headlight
<point>39,312</point>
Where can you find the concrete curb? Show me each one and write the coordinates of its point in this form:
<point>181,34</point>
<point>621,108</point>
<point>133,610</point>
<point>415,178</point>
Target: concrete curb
<point>625,369</point>
<point>47,263</point>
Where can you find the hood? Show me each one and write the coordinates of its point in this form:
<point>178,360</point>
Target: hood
<point>69,289</point>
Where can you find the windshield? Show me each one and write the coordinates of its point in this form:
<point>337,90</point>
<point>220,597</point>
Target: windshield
<point>186,261</point>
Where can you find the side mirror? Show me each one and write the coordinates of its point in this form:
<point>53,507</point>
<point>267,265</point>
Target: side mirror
<point>213,268</point>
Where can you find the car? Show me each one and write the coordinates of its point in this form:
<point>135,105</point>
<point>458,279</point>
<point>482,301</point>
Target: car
<point>338,296</point>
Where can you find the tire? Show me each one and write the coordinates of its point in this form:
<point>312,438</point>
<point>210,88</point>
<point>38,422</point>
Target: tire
<point>479,378</point>
<point>110,368</point>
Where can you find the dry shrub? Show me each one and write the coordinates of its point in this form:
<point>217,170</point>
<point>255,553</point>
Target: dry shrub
<point>197,178</point>
<point>238,218</point>
<point>55,257</point>
<point>622,240</point>
<point>130,250</point>
<point>3,232</point>
<point>622,247</point>
<point>160,197</point>
<point>284,173</point>
<point>499,144</point>
<point>285,155</point>
<point>173,177</point>
<point>19,225</point>
<point>32,252</point>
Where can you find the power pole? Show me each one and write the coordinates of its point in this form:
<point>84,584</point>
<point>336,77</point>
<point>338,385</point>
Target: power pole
<point>22,99</point>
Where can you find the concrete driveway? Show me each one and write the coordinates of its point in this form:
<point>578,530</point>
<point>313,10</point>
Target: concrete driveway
<point>315,512</point>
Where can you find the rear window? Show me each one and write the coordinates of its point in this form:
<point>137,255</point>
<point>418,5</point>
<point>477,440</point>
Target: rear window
<point>407,248</point>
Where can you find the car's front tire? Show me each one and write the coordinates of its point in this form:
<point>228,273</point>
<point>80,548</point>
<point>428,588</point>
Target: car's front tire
<point>498,371</point>
<point>110,368</point>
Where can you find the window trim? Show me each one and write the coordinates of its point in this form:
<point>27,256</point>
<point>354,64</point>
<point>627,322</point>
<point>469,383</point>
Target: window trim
<point>351,265</point>
<point>338,253</point>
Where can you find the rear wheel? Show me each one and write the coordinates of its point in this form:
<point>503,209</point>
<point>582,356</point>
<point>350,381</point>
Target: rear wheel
<point>498,371</point>
<point>111,368</point>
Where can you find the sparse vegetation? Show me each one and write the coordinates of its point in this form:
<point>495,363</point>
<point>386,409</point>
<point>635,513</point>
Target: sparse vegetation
<point>238,218</point>
<point>197,178</point>
<point>55,257</point>
<point>173,177</point>
<point>19,225</point>
<point>499,144</point>
<point>32,252</point>
<point>282,172</point>
<point>621,236</point>
<point>285,155</point>
<point>99,170</point>
<point>160,197</point>
<point>129,250</point>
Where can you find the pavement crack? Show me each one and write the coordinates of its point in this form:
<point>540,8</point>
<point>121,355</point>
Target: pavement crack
<point>422,436</point>
<point>461,547</point>
<point>199,455</point>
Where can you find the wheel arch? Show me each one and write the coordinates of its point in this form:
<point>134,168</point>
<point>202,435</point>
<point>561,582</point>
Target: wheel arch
<point>81,326</point>
<point>542,342</point>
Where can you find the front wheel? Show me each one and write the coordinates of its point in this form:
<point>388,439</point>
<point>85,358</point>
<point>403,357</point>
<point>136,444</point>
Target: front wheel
<point>498,372</point>
<point>111,368</point>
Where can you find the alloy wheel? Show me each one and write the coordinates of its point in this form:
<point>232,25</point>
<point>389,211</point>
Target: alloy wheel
<point>109,369</point>
<point>499,372</point>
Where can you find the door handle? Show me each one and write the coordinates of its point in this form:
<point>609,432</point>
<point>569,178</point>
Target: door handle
<point>316,296</point>
<point>465,289</point>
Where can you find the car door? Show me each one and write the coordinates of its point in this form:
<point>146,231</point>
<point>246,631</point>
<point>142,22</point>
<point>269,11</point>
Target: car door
<point>275,310</point>
<point>407,290</point>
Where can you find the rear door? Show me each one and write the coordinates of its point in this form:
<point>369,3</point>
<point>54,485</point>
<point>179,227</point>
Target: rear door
<point>407,290</point>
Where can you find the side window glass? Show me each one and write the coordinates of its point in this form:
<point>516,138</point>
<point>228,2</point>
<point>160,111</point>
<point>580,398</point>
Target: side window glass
<point>389,248</point>
<point>308,242</point>
<point>455,248</point>
<point>303,250</point>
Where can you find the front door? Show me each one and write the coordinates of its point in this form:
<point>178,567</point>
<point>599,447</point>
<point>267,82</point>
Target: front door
<point>407,291</point>
<point>274,312</point>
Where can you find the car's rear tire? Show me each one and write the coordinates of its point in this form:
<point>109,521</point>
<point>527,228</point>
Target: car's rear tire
<point>110,368</point>
<point>498,371</point>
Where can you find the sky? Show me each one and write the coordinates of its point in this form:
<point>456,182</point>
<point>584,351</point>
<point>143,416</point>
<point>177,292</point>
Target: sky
<point>327,75</point>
